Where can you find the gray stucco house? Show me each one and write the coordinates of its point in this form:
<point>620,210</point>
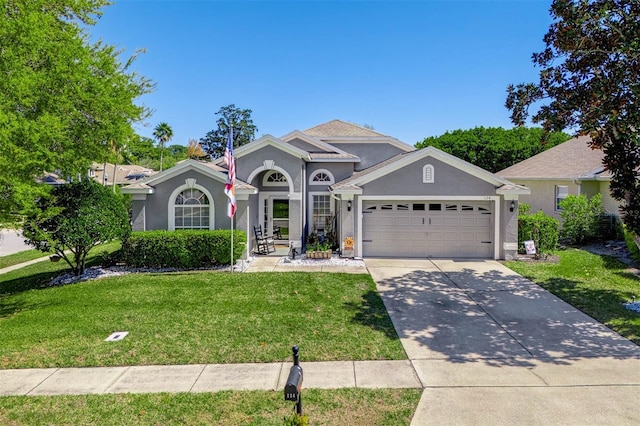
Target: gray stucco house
<point>384,195</point>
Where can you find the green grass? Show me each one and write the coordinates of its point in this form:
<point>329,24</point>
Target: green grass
<point>190,318</point>
<point>597,285</point>
<point>20,257</point>
<point>323,407</point>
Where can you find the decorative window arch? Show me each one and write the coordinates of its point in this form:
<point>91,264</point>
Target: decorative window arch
<point>428,174</point>
<point>321,177</point>
<point>191,207</point>
<point>274,178</point>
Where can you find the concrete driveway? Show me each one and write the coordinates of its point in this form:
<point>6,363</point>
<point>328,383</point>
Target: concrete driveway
<point>490,347</point>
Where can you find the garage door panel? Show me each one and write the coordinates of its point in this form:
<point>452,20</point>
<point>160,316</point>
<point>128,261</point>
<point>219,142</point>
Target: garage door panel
<point>484,221</point>
<point>428,228</point>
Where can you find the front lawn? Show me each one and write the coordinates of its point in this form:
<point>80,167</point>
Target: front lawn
<point>20,257</point>
<point>323,407</point>
<point>597,285</point>
<point>190,318</point>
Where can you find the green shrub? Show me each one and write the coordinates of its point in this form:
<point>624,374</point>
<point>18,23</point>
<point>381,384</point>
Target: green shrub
<point>539,227</point>
<point>581,218</point>
<point>182,249</point>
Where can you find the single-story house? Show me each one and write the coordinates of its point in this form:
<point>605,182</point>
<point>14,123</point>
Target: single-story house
<point>571,167</point>
<point>382,195</point>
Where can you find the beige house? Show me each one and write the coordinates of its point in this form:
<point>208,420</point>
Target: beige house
<point>569,168</point>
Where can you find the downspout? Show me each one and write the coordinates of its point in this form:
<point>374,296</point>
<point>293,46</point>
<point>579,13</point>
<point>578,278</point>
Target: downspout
<point>303,204</point>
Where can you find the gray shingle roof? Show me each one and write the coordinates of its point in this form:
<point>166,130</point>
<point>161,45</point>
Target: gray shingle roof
<point>572,159</point>
<point>340,128</point>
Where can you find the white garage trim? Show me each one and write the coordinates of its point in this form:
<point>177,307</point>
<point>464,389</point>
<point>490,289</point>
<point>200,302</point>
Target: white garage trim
<point>496,213</point>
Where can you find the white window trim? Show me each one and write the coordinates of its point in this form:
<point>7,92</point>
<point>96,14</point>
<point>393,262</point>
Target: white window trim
<point>171,225</point>
<point>332,206</point>
<point>331,180</point>
<point>556,201</point>
<point>432,178</point>
<point>271,172</point>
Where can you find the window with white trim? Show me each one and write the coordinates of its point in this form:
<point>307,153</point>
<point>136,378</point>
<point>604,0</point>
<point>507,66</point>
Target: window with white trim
<point>321,210</point>
<point>191,210</point>
<point>274,178</point>
<point>321,177</point>
<point>562,191</point>
<point>428,174</point>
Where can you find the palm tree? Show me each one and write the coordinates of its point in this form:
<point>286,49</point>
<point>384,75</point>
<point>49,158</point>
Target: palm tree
<point>163,134</point>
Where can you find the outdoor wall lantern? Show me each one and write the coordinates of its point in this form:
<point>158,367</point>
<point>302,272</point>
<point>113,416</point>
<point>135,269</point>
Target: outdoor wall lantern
<point>512,206</point>
<point>349,205</point>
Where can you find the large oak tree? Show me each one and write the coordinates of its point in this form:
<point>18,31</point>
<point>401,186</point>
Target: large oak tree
<point>590,83</point>
<point>63,98</point>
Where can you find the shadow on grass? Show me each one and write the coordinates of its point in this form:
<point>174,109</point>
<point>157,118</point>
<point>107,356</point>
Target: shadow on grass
<point>605,306</point>
<point>371,313</point>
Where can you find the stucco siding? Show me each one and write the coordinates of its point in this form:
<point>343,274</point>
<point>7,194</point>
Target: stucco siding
<point>448,181</point>
<point>246,165</point>
<point>339,171</point>
<point>137,215</point>
<point>305,146</point>
<point>543,194</point>
<point>370,154</point>
<point>158,203</point>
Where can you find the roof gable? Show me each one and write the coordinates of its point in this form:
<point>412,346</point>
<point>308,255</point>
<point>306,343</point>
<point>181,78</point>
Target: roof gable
<point>208,169</point>
<point>573,159</point>
<point>268,140</point>
<point>403,160</point>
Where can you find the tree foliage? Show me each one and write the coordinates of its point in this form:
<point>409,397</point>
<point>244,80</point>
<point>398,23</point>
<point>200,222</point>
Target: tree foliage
<point>590,83</point>
<point>163,133</point>
<point>244,130</point>
<point>62,97</point>
<point>494,148</point>
<point>76,217</point>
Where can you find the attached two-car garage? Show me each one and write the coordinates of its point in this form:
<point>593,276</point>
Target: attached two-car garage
<point>428,228</point>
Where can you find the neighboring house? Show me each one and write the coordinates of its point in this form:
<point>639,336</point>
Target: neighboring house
<point>387,197</point>
<point>125,174</point>
<point>569,168</point>
<point>52,179</point>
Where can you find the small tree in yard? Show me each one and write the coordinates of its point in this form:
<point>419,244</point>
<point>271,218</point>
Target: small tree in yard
<point>580,217</point>
<point>76,217</point>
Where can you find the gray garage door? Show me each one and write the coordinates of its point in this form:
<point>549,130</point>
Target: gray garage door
<point>453,229</point>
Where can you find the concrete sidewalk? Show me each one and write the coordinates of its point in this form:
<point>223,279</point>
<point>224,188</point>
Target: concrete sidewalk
<point>206,378</point>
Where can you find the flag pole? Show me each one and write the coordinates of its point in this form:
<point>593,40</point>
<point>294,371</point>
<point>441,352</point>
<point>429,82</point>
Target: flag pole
<point>231,267</point>
<point>229,187</point>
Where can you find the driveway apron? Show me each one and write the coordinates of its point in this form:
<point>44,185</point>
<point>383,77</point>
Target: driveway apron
<point>491,347</point>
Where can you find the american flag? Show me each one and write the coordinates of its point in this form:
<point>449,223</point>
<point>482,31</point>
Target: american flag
<point>229,187</point>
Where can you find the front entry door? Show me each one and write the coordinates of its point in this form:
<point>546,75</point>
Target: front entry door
<point>276,217</point>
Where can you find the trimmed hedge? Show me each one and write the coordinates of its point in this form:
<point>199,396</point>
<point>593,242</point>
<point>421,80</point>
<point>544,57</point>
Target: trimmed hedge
<point>539,227</point>
<point>183,249</point>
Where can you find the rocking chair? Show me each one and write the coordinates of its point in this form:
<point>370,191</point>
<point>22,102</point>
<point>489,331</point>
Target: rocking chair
<point>264,244</point>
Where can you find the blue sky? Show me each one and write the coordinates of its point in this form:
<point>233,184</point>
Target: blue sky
<point>410,69</point>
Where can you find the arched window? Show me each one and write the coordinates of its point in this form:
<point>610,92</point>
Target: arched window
<point>428,174</point>
<point>191,209</point>
<point>274,178</point>
<point>321,177</point>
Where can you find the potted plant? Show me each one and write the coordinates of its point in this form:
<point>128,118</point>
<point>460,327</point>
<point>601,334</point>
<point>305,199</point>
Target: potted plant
<point>318,247</point>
